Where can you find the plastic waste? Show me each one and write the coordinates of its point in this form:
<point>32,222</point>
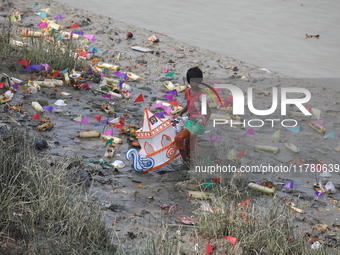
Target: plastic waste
<point>329,187</point>
<point>316,245</point>
<point>267,148</point>
<point>37,107</point>
<point>260,188</point>
<point>93,133</point>
<point>33,90</point>
<point>292,147</point>
<point>60,102</point>
<point>118,164</point>
<point>108,66</point>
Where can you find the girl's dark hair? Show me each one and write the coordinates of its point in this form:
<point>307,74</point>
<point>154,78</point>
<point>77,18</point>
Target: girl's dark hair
<point>194,73</point>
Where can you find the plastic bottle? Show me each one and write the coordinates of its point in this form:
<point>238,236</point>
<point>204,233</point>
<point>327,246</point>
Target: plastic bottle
<point>37,107</point>
<point>109,66</point>
<point>267,148</point>
<point>260,188</point>
<point>93,133</point>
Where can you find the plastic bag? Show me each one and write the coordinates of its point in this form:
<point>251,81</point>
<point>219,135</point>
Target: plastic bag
<point>329,187</point>
<point>194,127</point>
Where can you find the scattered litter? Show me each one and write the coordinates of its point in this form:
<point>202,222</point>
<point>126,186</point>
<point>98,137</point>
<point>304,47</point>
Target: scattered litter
<point>316,245</point>
<point>312,36</point>
<point>153,38</point>
<point>142,49</point>
<point>91,133</point>
<point>118,164</point>
<point>200,195</point>
<point>186,220</point>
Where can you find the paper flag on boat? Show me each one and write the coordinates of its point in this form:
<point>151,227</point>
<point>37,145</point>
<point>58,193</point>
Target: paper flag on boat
<point>90,37</point>
<point>169,97</point>
<point>229,100</point>
<point>35,5</point>
<point>231,155</point>
<point>308,108</point>
<point>208,249</point>
<point>59,17</point>
<point>172,75</point>
<point>167,69</point>
<point>60,37</point>
<point>106,121</point>
<point>167,109</point>
<point>330,135</point>
<point>97,117</point>
<point>320,122</point>
<point>157,105</point>
<point>250,131</point>
<point>42,25</point>
<point>174,103</point>
<point>316,112</point>
<point>139,98</point>
<point>47,10</point>
<point>64,71</point>
<point>107,96</point>
<point>120,83</point>
<point>108,142</point>
<point>56,73</point>
<point>79,32</point>
<point>121,75</point>
<point>276,134</point>
<point>172,92</point>
<point>48,108</point>
<point>108,132</point>
<point>41,14</point>
<point>35,117</point>
<point>231,239</point>
<point>46,66</point>
<point>78,119</point>
<point>240,154</point>
<point>2,85</point>
<point>38,67</point>
<point>15,86</point>
<point>160,114</point>
<point>29,68</point>
<point>75,25</point>
<point>119,126</point>
<point>215,138</point>
<point>318,194</point>
<point>84,120</point>
<point>295,129</point>
<point>289,185</point>
<point>23,62</point>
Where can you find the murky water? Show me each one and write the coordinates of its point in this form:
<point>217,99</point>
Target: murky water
<point>267,33</point>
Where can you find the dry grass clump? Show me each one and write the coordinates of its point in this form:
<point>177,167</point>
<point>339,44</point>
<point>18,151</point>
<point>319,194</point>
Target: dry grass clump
<point>41,211</point>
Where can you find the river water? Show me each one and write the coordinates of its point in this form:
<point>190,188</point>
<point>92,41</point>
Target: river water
<point>266,33</point>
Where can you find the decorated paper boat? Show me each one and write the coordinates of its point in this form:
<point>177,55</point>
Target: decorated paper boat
<point>4,99</point>
<point>317,127</point>
<point>170,86</point>
<point>157,140</point>
<point>133,76</point>
<point>108,108</point>
<point>292,147</point>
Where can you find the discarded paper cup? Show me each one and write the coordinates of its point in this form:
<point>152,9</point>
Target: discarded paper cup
<point>60,102</point>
